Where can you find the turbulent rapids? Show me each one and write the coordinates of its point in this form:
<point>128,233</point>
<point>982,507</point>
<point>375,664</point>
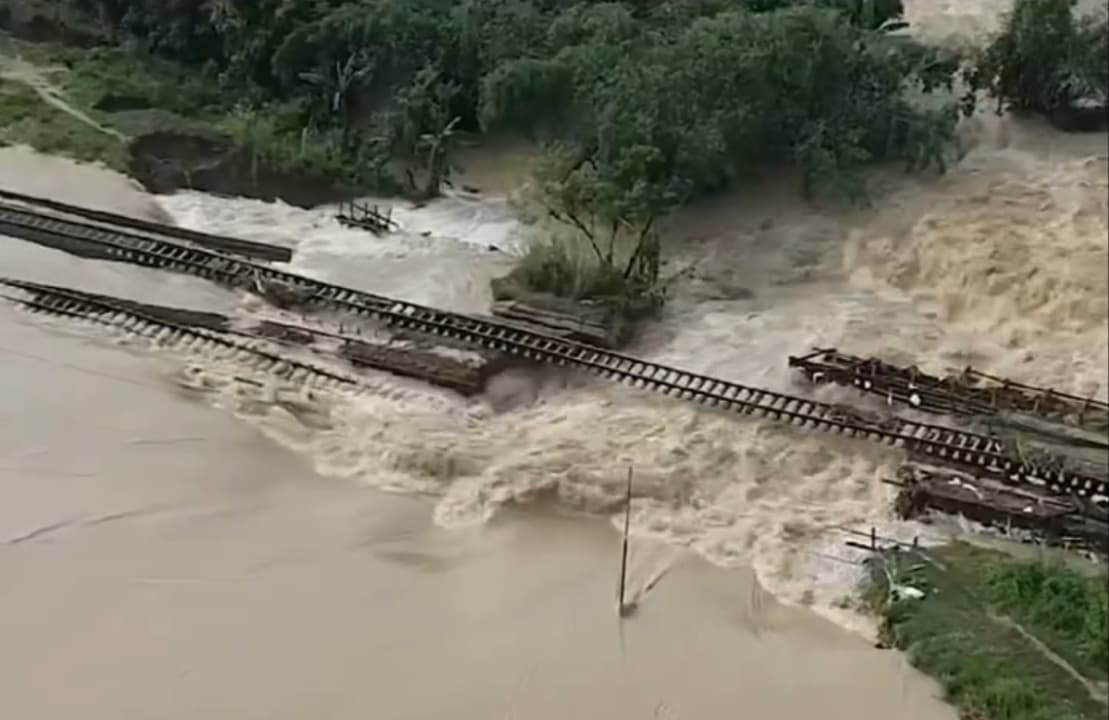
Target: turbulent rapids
<point>983,455</point>
<point>272,455</point>
<point>261,341</point>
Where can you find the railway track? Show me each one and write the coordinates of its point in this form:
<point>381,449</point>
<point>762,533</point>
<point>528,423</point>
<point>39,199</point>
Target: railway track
<point>187,333</point>
<point>985,454</point>
<point>464,378</point>
<point>968,393</point>
<point>222,243</point>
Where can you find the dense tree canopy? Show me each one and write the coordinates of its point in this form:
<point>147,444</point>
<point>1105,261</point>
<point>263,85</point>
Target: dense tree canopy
<point>665,99</point>
<point>642,105</point>
<point>1046,58</point>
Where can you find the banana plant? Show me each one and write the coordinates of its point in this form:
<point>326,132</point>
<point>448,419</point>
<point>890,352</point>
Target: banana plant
<point>339,84</point>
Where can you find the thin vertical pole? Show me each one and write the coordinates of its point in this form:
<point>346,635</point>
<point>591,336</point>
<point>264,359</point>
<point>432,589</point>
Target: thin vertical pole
<point>624,550</point>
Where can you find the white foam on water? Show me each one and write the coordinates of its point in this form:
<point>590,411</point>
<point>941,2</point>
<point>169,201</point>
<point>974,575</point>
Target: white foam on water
<point>1000,263</point>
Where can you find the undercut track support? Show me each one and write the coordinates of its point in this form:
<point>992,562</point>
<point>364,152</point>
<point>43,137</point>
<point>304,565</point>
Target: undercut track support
<point>969,393</point>
<point>986,455</point>
<point>191,331</point>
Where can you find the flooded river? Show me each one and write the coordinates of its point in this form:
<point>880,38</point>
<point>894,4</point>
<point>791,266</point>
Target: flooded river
<point>194,549</point>
<point>160,556</point>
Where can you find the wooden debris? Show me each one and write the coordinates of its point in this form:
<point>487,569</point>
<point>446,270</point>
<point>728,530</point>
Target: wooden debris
<point>438,369</point>
<point>434,368</point>
<point>591,326</point>
<point>1056,519</point>
<point>366,217</point>
<point>463,378</point>
<point>968,392</point>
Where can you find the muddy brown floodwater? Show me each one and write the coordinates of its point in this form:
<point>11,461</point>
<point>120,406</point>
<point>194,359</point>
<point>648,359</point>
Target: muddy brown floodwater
<point>175,543</point>
<point>160,559</point>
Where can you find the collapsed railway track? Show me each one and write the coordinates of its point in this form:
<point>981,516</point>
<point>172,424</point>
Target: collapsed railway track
<point>1013,511</point>
<point>222,243</point>
<point>452,374</point>
<point>969,393</point>
<point>191,332</point>
<point>984,454</point>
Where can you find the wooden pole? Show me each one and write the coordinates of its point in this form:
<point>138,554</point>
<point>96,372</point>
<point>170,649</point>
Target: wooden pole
<point>624,550</point>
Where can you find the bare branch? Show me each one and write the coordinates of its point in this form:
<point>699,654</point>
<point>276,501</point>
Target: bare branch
<point>571,219</point>
<point>644,231</point>
<point>613,231</point>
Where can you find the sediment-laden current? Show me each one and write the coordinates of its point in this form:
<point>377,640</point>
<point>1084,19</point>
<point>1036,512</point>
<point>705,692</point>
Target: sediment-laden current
<point>177,543</point>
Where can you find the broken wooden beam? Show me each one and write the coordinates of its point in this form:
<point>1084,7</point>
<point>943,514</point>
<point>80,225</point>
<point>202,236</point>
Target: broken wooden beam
<point>1049,518</point>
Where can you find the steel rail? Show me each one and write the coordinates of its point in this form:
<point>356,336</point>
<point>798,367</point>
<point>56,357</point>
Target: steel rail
<point>971,393</point>
<point>222,243</point>
<point>103,310</point>
<point>949,445</point>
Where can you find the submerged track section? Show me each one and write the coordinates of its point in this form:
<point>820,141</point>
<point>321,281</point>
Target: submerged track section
<point>465,378</point>
<point>223,243</point>
<point>159,327</point>
<point>985,454</point>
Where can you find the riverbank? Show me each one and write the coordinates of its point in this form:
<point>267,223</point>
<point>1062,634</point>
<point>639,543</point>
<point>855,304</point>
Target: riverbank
<point>172,130</point>
<point>1009,638</point>
<point>959,252</point>
<point>166,559</point>
<point>163,125</point>
<point>310,101</point>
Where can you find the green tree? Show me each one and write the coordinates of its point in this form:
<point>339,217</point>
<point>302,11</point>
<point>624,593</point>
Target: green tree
<point>1045,59</point>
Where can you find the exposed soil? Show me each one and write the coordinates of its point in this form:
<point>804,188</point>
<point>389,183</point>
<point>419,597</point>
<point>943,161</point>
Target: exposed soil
<point>165,161</point>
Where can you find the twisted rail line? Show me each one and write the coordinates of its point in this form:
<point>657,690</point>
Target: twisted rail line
<point>236,246</point>
<point>969,393</point>
<point>163,330</point>
<point>462,377</point>
<point>1058,520</point>
<point>985,454</point>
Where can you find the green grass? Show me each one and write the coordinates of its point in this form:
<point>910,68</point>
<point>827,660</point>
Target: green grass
<point>565,266</point>
<point>156,95</point>
<point>133,94</point>
<point>26,119</point>
<point>1069,611</point>
<point>962,634</point>
<point>93,76</point>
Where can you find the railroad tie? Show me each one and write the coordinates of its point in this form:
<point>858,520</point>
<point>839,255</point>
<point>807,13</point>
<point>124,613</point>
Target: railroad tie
<point>952,446</point>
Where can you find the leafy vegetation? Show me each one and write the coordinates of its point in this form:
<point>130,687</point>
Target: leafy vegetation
<point>1046,58</point>
<point>1070,611</point>
<point>984,624</point>
<point>642,106</point>
<point>113,94</point>
<point>29,120</point>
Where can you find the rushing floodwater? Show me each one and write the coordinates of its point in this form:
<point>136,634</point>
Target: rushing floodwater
<point>204,548</point>
<point>159,558</point>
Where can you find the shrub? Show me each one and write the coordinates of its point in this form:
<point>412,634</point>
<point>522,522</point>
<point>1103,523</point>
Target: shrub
<point>1045,58</point>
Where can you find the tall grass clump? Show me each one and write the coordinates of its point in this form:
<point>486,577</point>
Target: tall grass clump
<point>565,268</point>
